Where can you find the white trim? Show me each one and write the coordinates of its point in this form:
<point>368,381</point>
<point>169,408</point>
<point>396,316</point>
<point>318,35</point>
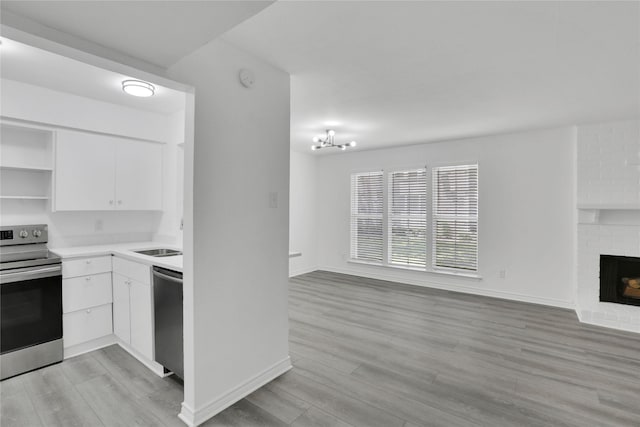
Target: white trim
<point>457,288</point>
<point>443,271</point>
<point>609,206</point>
<point>86,347</point>
<point>412,168</point>
<point>444,164</point>
<point>187,415</point>
<point>303,270</point>
<point>618,327</point>
<point>577,214</point>
<point>194,418</point>
<point>53,127</point>
<point>359,261</point>
<point>455,272</point>
<point>154,367</point>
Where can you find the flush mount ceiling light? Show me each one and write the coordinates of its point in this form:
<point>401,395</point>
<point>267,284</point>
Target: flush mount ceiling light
<point>138,88</point>
<point>328,141</point>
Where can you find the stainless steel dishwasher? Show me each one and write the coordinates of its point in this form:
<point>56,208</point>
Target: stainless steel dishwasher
<point>167,304</point>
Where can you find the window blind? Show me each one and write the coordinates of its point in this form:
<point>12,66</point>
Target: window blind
<point>455,214</point>
<point>366,216</point>
<point>407,219</point>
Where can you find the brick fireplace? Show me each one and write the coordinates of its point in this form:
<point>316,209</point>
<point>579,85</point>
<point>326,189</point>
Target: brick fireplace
<point>608,197</point>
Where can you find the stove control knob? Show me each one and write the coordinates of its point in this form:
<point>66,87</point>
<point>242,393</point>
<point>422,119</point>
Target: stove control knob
<point>24,234</point>
<point>37,233</point>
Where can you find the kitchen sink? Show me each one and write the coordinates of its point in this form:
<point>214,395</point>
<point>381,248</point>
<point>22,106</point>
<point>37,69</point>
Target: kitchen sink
<point>160,252</point>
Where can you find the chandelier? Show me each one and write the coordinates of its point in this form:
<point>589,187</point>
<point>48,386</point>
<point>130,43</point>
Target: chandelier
<point>328,142</point>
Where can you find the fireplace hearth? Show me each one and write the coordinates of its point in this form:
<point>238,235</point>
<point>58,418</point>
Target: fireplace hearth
<point>620,279</point>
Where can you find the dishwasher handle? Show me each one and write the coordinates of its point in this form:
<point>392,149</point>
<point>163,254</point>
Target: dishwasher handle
<point>167,277</point>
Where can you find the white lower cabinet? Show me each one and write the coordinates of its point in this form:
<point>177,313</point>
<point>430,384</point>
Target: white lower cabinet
<point>132,306</point>
<point>121,308</point>
<point>86,291</point>
<point>86,300</point>
<point>87,324</point>
<point>104,296</point>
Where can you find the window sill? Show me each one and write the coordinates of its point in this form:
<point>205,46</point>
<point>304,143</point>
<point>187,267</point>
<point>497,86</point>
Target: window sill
<point>420,270</point>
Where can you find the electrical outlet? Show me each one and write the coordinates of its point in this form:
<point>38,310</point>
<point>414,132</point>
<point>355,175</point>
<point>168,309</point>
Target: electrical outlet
<point>98,225</point>
<point>503,274</point>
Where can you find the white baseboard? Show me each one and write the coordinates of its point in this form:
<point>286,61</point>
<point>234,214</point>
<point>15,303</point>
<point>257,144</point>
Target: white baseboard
<point>605,323</point>
<point>304,270</point>
<point>194,418</point>
<point>88,346</point>
<point>154,367</point>
<point>187,415</point>
<point>457,288</point>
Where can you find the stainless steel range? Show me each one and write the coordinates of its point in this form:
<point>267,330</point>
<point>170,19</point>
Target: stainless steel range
<point>31,301</point>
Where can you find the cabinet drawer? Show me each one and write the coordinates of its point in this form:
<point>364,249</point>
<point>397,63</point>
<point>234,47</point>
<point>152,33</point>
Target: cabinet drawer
<point>134,270</point>
<point>86,291</point>
<point>86,266</point>
<point>85,325</point>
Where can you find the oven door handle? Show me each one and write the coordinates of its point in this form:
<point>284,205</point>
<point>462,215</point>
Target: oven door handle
<point>30,274</point>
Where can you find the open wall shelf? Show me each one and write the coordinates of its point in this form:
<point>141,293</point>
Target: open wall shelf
<point>27,162</point>
<point>24,197</point>
<point>26,168</point>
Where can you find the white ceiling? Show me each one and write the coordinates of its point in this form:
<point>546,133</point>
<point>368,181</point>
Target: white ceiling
<point>157,32</point>
<point>383,73</point>
<point>42,68</point>
<point>395,73</point>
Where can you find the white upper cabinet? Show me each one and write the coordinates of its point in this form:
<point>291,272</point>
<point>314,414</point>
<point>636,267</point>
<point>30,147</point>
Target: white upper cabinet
<point>84,172</point>
<point>98,172</point>
<point>138,175</point>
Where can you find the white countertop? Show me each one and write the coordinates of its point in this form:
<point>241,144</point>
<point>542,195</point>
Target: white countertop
<point>125,250</point>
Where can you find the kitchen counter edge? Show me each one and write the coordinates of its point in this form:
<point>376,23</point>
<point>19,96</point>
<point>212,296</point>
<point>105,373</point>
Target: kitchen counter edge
<point>124,250</point>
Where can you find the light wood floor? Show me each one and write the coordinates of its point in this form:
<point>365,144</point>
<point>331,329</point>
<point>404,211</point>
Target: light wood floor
<point>372,353</point>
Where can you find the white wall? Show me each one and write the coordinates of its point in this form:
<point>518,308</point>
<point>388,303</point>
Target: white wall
<point>22,101</point>
<point>526,217</point>
<point>172,182</point>
<point>82,228</point>
<point>303,235</point>
<point>609,164</point>
<point>236,296</point>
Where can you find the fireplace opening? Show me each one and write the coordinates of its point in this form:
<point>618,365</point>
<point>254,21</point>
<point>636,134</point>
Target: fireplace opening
<point>620,279</point>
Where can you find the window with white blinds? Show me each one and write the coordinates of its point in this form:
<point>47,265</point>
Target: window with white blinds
<point>407,218</point>
<point>455,217</point>
<point>367,206</point>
